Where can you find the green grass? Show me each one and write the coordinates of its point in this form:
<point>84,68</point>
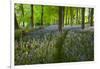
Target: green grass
<point>68,46</point>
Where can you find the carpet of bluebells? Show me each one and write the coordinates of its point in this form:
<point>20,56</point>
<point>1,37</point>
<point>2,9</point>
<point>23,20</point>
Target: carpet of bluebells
<point>54,47</point>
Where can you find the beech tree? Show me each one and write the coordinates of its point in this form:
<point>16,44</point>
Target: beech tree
<point>22,9</point>
<point>15,21</point>
<point>83,18</point>
<point>42,16</point>
<point>32,16</point>
<point>92,12</point>
<point>61,18</point>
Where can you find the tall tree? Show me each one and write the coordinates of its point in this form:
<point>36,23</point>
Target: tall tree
<point>22,9</point>
<point>92,12</point>
<point>66,15</point>
<point>15,21</point>
<point>71,15</point>
<point>83,18</point>
<point>32,16</point>
<point>42,10</point>
<point>77,15</point>
<point>89,15</point>
<point>61,18</point>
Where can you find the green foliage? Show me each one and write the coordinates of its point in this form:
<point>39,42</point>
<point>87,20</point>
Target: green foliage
<point>50,14</point>
<point>37,14</point>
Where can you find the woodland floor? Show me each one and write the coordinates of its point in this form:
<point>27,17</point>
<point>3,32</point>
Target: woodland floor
<point>54,28</point>
<point>48,45</point>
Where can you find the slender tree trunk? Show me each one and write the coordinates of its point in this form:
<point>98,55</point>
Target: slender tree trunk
<point>89,17</point>
<point>63,12</point>
<point>66,15</point>
<point>42,16</point>
<point>76,15</point>
<point>83,18</point>
<point>61,18</point>
<point>32,16</point>
<point>79,20</point>
<point>92,12</point>
<point>67,19</point>
<point>71,15</point>
<point>15,21</point>
<point>22,12</point>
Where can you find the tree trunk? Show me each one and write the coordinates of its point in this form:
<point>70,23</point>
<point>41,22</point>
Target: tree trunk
<point>42,16</point>
<point>71,15</point>
<point>32,16</point>
<point>22,12</point>
<point>83,18</point>
<point>89,15</point>
<point>66,15</point>
<point>92,12</point>
<point>76,15</point>
<point>61,18</point>
<point>79,15</point>
<point>15,21</point>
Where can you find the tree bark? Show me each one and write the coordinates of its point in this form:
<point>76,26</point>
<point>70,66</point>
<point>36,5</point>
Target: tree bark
<point>92,12</point>
<point>32,16</point>
<point>79,15</point>
<point>71,15</point>
<point>42,16</point>
<point>66,15</point>
<point>15,21</point>
<point>76,15</point>
<point>83,18</point>
<point>22,12</point>
<point>61,18</point>
<point>89,15</point>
